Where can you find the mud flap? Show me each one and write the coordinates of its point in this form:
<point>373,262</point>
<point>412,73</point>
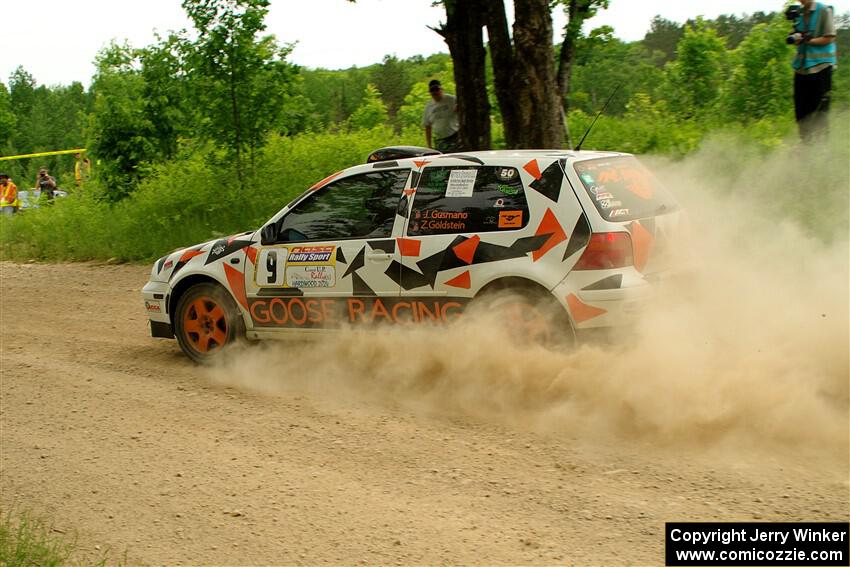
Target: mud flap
<point>161,330</point>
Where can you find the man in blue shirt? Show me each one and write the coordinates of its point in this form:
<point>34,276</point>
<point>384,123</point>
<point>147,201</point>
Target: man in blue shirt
<point>813,63</point>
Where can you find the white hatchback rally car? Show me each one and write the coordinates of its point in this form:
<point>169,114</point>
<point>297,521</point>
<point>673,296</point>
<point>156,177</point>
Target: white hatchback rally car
<point>414,237</point>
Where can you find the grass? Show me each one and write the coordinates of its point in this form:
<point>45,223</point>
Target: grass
<point>27,540</point>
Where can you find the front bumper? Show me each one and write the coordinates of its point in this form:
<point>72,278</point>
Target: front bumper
<point>156,296</point>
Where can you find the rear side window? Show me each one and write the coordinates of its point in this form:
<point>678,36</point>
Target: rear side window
<point>451,200</point>
<point>622,189</point>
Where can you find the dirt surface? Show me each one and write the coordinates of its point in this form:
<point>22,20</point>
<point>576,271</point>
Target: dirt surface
<point>118,436</point>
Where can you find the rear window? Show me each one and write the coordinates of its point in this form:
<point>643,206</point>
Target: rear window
<point>622,189</point>
<point>453,200</point>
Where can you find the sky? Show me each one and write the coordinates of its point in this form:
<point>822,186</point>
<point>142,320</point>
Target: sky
<point>56,40</point>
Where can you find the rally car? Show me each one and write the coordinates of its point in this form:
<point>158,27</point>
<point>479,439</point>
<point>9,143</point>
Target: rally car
<point>413,238</point>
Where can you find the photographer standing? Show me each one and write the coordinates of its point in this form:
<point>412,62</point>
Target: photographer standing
<point>46,184</point>
<point>814,36</point>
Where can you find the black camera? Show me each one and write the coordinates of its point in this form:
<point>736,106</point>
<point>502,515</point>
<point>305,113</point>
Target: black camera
<point>793,37</point>
<point>793,12</point>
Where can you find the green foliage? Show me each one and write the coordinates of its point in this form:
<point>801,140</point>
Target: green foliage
<point>44,119</point>
<point>166,93</point>
<point>7,118</point>
<point>759,85</point>
<point>663,37</point>
<point>185,200</point>
<point>335,95</point>
<point>604,64</point>
<point>240,79</point>
<point>177,127</point>
<point>372,111</point>
<point>392,79</point>
<point>121,133</point>
<point>696,77</point>
<point>646,127</point>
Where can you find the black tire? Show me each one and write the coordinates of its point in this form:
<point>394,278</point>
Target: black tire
<point>533,316</point>
<point>206,322</point>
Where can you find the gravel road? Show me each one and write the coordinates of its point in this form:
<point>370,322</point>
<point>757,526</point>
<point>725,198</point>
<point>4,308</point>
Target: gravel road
<point>288,456</point>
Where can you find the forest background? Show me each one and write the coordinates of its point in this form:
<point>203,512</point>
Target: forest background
<point>210,133</point>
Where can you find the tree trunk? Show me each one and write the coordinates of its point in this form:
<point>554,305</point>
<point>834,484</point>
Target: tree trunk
<point>463,35</point>
<point>538,100</point>
<point>237,122</point>
<point>502,57</point>
<point>567,57</point>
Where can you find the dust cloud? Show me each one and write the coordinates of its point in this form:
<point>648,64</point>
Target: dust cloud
<point>752,350</point>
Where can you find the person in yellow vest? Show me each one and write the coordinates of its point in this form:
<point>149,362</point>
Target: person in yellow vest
<point>8,196</point>
<point>82,169</point>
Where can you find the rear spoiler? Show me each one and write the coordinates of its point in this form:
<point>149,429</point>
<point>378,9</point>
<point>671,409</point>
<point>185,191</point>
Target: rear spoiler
<point>400,152</point>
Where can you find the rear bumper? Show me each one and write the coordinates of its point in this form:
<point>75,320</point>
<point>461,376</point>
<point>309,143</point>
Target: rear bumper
<point>620,306</point>
<point>601,308</point>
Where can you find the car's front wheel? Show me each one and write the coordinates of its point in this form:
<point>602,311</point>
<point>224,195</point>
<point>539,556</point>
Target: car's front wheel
<point>206,321</point>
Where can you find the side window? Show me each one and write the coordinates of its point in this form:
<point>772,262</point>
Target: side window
<point>451,200</point>
<point>361,206</point>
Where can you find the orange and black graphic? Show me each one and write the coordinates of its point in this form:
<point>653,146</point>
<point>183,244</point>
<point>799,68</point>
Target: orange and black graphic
<point>579,238</point>
<point>556,234</point>
<point>462,251</point>
<point>510,219</point>
<point>581,311</point>
<point>184,258</point>
<point>643,239</point>
<point>226,247</point>
<point>611,282</point>
<point>548,183</point>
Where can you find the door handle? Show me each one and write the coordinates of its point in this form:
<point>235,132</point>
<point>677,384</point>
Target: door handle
<point>379,256</point>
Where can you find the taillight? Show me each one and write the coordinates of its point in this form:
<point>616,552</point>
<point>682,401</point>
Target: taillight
<point>606,250</point>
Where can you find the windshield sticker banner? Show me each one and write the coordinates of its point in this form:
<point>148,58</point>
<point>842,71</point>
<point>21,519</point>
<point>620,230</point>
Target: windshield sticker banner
<point>461,183</point>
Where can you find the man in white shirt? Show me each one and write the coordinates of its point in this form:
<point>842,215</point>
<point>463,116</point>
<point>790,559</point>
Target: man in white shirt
<point>440,119</point>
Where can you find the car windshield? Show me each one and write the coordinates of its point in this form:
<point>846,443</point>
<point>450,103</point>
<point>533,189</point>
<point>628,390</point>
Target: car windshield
<point>622,189</point>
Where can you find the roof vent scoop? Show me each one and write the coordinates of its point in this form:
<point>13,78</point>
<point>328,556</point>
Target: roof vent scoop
<point>399,152</point>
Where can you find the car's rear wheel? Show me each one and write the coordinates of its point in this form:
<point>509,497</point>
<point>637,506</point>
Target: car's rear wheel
<point>530,316</point>
<point>206,321</point>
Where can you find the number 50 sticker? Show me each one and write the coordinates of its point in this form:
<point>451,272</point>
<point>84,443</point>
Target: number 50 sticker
<point>270,266</point>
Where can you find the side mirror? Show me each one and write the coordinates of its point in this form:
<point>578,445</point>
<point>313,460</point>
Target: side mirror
<point>269,234</point>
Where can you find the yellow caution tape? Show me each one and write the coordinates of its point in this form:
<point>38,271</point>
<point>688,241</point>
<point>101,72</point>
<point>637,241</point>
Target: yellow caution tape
<point>41,154</point>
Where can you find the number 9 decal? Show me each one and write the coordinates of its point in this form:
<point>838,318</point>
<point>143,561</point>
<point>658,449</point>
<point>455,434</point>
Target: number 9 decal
<point>270,266</point>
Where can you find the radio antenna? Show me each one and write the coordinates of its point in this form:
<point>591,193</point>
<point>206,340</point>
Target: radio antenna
<point>578,147</point>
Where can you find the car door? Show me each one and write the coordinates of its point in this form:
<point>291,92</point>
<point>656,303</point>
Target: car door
<point>335,261</point>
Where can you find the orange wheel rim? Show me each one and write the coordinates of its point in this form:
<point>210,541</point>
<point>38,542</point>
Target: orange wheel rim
<point>527,322</point>
<point>205,325</point>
